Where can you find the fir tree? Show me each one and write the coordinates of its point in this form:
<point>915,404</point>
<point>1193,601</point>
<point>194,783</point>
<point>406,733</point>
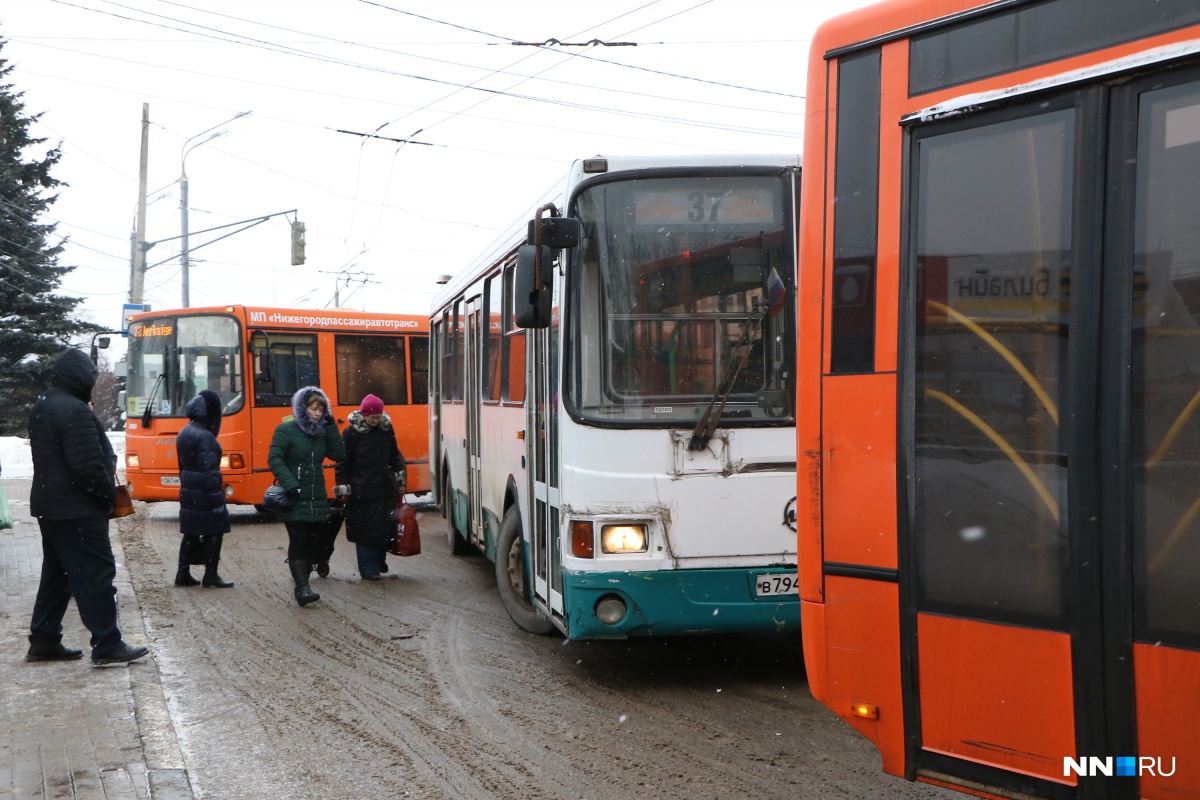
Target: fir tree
<point>35,322</point>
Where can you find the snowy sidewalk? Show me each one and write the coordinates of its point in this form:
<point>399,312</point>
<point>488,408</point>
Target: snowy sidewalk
<point>70,729</point>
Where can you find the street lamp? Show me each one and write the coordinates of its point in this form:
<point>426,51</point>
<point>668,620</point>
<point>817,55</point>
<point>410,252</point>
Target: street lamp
<point>188,146</point>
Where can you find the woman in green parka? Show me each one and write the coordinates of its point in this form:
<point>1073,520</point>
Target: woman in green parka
<point>299,448</point>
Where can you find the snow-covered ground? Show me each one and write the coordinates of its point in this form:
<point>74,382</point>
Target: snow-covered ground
<point>15,461</point>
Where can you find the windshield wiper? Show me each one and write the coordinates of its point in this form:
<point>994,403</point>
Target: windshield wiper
<point>775,293</point>
<point>148,414</point>
<point>706,426</point>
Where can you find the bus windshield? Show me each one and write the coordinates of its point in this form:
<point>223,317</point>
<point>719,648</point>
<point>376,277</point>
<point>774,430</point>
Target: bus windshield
<point>667,281</point>
<point>172,358</point>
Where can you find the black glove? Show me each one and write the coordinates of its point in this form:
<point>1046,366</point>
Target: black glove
<point>294,492</point>
<point>327,419</point>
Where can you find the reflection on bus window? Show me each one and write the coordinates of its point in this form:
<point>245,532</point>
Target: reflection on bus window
<point>283,362</point>
<point>371,365</point>
<point>207,355</point>
<point>666,300</point>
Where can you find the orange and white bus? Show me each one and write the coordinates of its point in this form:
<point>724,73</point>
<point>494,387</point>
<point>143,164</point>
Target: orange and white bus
<point>255,359</point>
<point>999,369</point>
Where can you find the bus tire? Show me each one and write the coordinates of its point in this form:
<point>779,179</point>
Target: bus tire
<point>511,578</point>
<point>459,546</point>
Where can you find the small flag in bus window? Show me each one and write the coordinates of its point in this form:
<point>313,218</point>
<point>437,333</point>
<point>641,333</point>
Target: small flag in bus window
<point>776,293</point>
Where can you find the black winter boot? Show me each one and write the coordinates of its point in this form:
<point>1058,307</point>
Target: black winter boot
<point>212,557</point>
<point>304,594</point>
<point>183,576</point>
<point>50,649</point>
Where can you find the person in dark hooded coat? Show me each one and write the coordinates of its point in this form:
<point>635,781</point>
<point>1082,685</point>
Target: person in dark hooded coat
<point>369,479</point>
<point>299,447</point>
<point>74,487</point>
<point>203,516</point>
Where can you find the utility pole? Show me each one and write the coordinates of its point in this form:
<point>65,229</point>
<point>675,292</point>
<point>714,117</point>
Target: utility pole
<point>137,259</point>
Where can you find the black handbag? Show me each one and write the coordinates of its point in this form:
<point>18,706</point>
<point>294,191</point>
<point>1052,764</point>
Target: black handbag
<point>278,500</point>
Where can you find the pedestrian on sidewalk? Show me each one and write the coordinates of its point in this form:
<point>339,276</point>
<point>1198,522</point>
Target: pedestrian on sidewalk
<point>74,486</point>
<point>299,447</point>
<point>203,516</point>
<point>370,479</point>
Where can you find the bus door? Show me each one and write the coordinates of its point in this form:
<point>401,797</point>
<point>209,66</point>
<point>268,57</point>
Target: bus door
<point>437,332</point>
<point>1053,495</point>
<point>542,445</point>
<point>471,399</point>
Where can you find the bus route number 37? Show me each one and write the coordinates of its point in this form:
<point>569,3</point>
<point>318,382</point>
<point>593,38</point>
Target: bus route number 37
<point>775,584</point>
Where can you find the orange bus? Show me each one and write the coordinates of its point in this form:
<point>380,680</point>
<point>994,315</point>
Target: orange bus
<point>255,359</point>
<point>999,351</point>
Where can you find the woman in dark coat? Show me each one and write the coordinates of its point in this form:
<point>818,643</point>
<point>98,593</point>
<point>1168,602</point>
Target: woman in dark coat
<point>299,448</point>
<point>368,480</point>
<point>203,517</point>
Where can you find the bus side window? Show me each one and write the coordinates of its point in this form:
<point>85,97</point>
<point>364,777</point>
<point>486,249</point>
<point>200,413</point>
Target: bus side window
<point>371,365</point>
<point>514,352</point>
<point>493,340</point>
<point>289,362</point>
<point>418,358</point>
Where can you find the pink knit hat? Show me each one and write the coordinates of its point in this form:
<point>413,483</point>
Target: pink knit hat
<point>371,405</point>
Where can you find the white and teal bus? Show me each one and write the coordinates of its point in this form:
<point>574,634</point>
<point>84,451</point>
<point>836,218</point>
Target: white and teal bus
<point>612,400</point>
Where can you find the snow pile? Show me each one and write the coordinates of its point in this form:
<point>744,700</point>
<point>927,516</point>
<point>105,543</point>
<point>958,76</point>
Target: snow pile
<point>16,462</point>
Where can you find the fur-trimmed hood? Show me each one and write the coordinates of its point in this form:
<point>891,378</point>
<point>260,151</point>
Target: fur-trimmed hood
<point>359,422</point>
<point>300,410</point>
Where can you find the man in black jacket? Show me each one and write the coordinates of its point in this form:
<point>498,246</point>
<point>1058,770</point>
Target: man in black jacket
<point>73,492</point>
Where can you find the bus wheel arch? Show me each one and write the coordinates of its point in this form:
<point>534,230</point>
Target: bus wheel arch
<point>512,577</point>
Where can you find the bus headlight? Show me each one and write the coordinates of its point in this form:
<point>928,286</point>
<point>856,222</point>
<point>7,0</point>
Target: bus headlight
<point>131,460</point>
<point>623,538</point>
<point>228,490</point>
<point>234,461</point>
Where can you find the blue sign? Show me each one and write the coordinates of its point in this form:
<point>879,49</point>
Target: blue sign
<point>127,311</point>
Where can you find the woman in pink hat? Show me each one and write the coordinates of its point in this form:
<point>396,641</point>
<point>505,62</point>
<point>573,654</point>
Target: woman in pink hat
<point>370,479</point>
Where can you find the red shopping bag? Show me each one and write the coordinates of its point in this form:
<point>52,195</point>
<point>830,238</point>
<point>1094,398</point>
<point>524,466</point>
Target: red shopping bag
<point>408,534</point>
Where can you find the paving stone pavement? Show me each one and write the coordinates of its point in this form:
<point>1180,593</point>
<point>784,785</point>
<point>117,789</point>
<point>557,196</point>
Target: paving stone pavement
<point>70,729</point>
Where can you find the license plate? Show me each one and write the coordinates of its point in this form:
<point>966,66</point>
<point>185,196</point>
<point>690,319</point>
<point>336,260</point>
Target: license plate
<point>776,583</point>
<point>167,480</point>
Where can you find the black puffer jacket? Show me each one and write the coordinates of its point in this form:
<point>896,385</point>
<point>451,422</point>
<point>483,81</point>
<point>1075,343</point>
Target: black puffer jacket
<point>202,510</point>
<point>371,467</point>
<point>73,462</point>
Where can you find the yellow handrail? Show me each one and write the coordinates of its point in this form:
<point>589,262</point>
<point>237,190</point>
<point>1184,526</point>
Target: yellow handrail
<point>1173,433</point>
<point>1004,353</point>
<point>999,441</point>
<point>1164,552</point>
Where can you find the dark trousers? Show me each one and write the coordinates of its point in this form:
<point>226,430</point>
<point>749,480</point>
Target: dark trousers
<point>312,542</point>
<point>77,560</point>
<point>371,558</point>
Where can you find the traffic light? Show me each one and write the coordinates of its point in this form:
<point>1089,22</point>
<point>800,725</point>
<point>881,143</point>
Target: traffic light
<point>297,243</point>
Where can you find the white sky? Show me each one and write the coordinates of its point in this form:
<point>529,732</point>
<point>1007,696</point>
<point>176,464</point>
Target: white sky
<point>396,216</point>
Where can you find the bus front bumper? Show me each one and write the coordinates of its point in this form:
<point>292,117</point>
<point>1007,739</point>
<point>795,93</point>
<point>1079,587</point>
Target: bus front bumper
<point>618,605</point>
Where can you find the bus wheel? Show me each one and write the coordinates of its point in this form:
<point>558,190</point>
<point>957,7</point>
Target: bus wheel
<point>459,546</point>
<point>510,578</point>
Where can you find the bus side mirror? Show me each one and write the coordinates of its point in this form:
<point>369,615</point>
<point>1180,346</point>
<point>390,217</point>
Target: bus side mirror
<point>531,306</point>
<point>557,232</point>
